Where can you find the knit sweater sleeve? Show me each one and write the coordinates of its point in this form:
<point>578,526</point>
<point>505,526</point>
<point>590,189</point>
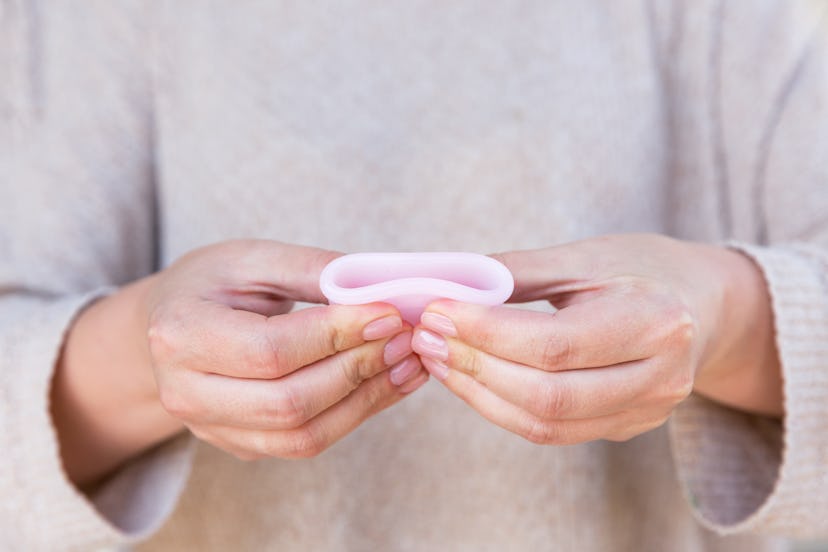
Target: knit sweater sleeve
<point>743,473</point>
<point>76,220</point>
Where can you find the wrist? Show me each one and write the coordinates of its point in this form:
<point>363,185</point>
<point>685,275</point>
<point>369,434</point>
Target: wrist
<point>104,400</point>
<point>740,367</point>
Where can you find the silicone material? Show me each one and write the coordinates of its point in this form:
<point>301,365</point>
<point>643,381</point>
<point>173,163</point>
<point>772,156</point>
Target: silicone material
<point>410,281</point>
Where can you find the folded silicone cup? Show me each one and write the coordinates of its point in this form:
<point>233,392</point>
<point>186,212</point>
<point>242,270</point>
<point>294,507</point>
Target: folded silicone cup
<point>410,281</point>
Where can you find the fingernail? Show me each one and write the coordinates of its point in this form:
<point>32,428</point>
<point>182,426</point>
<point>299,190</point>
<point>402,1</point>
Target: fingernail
<point>414,383</point>
<point>439,323</point>
<point>430,344</point>
<point>403,371</point>
<point>435,368</point>
<point>382,327</point>
<point>397,348</point>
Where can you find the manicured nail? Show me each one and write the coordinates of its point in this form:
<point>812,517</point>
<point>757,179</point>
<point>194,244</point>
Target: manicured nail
<point>439,323</point>
<point>430,344</point>
<point>403,371</point>
<point>415,382</point>
<point>382,327</point>
<point>397,348</point>
<point>435,368</point>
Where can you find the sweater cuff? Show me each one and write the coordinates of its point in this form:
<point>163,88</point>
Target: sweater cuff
<point>746,473</point>
<point>43,509</point>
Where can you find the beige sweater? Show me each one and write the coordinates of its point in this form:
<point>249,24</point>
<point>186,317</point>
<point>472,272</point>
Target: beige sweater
<point>133,131</point>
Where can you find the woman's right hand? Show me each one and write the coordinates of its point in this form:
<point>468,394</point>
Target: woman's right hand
<point>209,344</point>
<point>245,375</point>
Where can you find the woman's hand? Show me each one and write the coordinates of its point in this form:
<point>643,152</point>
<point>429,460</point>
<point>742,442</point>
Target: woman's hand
<point>642,321</point>
<point>256,382</point>
<point>208,344</point>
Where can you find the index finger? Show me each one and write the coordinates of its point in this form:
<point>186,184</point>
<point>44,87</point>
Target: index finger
<point>214,338</point>
<point>605,331</point>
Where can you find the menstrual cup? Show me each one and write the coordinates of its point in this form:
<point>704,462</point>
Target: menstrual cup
<point>410,281</point>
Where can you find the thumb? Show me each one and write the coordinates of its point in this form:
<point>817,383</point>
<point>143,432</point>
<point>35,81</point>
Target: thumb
<point>284,270</point>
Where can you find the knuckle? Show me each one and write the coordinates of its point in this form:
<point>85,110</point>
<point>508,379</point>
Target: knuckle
<point>200,434</point>
<point>356,368</point>
<point>674,386</point>
<point>162,336</point>
<point>306,442</point>
<point>174,402</point>
<point>682,326</point>
<point>553,400</point>
<point>486,335</point>
<point>681,387</point>
<point>556,351</point>
<point>287,409</point>
<point>338,339</point>
<point>268,361</point>
<point>337,333</point>
<point>469,362</point>
<point>261,444</point>
<point>541,433</point>
<point>375,396</point>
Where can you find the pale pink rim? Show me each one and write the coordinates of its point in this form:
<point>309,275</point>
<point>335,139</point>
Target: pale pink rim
<point>437,274</point>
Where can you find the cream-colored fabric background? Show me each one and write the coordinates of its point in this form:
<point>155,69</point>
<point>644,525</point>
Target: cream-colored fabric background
<point>133,131</point>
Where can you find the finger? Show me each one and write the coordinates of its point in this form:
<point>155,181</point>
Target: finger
<point>210,337</point>
<point>608,330</point>
<point>573,267</point>
<point>571,272</point>
<point>283,403</point>
<point>555,432</point>
<point>279,269</point>
<point>571,394</point>
<point>259,303</point>
<point>319,433</point>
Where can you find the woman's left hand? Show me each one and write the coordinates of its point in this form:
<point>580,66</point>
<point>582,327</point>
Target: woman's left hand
<point>643,320</point>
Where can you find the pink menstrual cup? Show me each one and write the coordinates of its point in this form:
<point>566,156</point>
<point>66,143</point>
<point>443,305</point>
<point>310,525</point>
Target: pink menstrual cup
<point>410,281</point>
